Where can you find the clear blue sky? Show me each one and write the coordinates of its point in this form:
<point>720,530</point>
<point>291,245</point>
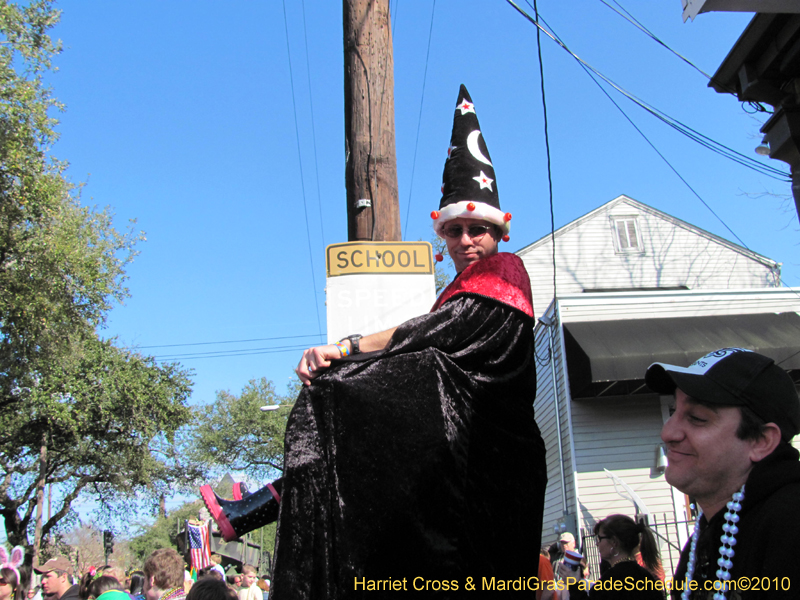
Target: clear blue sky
<point>181,114</point>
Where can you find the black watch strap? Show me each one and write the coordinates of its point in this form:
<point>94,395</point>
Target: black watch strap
<point>355,342</point>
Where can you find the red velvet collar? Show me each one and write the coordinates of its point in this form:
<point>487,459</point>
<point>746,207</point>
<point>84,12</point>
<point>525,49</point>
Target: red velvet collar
<point>502,277</point>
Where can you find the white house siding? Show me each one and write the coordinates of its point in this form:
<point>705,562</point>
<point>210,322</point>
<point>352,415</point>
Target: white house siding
<point>544,409</point>
<point>674,253</point>
<point>621,434</point>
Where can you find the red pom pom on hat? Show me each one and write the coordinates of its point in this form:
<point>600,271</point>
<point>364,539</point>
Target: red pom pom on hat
<point>435,215</point>
<point>439,257</point>
<point>507,217</point>
<point>506,237</point>
<point>471,206</point>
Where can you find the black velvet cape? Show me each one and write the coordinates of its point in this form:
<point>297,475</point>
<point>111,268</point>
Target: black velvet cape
<point>420,461</point>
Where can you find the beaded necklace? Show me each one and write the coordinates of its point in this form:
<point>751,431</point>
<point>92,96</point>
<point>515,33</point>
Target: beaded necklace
<point>728,539</point>
<point>173,594</point>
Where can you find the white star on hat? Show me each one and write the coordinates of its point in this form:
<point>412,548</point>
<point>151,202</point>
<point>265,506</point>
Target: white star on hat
<point>485,181</point>
<point>466,107</point>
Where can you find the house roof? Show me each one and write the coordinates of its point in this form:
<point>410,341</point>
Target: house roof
<point>640,206</point>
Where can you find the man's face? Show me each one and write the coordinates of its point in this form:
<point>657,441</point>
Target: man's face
<point>567,545</point>
<point>150,591</point>
<point>466,249</point>
<point>706,459</point>
<point>55,583</point>
<point>249,579</point>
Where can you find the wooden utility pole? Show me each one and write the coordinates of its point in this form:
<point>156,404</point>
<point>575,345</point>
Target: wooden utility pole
<point>373,211</point>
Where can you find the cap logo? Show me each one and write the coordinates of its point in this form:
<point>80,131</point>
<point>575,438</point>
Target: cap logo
<point>703,364</point>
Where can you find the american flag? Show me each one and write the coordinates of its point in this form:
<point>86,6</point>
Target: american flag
<point>198,545</point>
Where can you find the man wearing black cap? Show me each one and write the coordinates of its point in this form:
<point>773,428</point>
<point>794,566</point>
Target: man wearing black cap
<point>412,459</point>
<point>728,447</point>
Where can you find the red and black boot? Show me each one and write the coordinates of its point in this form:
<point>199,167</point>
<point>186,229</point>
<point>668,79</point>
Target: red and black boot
<point>237,517</point>
<point>240,490</point>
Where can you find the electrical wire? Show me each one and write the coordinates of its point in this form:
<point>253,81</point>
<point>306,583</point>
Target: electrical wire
<point>546,361</point>
<point>757,106</point>
<point>269,339</point>
<point>231,353</point>
<point>419,121</point>
<point>313,127</point>
<point>657,151</point>
<point>635,22</point>
<point>302,181</point>
<point>692,134</point>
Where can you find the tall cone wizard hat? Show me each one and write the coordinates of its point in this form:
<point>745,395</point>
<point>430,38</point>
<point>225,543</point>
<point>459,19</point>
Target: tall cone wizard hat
<point>469,187</point>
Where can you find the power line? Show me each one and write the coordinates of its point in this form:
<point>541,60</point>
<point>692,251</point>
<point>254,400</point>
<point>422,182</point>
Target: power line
<point>302,182</point>
<point>313,128</point>
<point>692,134</point>
<point>590,72</point>
<point>269,339</point>
<point>545,361</point>
<point>757,106</point>
<point>419,120</point>
<point>631,19</point>
<point>231,353</point>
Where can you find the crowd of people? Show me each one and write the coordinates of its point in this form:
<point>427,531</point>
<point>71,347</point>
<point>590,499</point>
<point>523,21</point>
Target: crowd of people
<point>164,576</point>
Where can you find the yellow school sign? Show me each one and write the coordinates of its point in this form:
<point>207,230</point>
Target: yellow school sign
<point>382,258</point>
<point>372,286</point>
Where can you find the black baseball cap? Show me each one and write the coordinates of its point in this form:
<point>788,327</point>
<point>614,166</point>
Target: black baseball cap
<point>735,377</point>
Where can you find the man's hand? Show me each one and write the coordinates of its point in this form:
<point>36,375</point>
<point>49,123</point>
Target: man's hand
<point>315,361</point>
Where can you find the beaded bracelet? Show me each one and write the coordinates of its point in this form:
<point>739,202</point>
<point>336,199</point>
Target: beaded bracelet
<point>342,349</point>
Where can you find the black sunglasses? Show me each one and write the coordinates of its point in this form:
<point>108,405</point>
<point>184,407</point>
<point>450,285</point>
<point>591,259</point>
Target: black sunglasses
<point>473,231</point>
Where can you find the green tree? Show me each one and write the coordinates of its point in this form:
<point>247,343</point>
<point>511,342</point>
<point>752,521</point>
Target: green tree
<point>234,434</point>
<point>92,425</point>
<point>61,264</point>
<point>78,413</point>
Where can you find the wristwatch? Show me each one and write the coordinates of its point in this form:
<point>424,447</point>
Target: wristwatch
<point>355,341</point>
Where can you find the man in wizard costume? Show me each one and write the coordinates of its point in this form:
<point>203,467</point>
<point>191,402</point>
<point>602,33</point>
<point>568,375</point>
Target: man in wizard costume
<point>412,458</point>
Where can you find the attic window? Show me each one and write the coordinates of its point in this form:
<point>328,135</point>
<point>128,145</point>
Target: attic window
<point>626,235</point>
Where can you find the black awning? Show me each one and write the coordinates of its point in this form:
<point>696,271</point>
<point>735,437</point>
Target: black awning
<point>610,357</point>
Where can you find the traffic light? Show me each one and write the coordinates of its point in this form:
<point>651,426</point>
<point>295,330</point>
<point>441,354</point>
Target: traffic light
<point>108,542</point>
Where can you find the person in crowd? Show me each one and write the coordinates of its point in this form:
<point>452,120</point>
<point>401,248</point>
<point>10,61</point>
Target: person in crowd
<point>209,572</point>
<point>431,484</point>
<point>85,582</point>
<point>137,585</point>
<point>106,583</point>
<point>618,538</point>
<point>729,448</point>
<point>211,588</point>
<point>163,575</point>
<point>14,575</point>
<point>250,589</point>
<point>566,541</point>
<point>57,579</point>
<point>216,559</point>
<point>546,589</point>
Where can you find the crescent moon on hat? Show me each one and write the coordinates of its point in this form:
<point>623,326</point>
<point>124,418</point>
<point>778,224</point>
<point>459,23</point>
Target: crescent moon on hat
<point>472,145</point>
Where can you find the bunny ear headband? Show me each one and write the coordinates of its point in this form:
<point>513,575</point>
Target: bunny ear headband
<point>13,563</point>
